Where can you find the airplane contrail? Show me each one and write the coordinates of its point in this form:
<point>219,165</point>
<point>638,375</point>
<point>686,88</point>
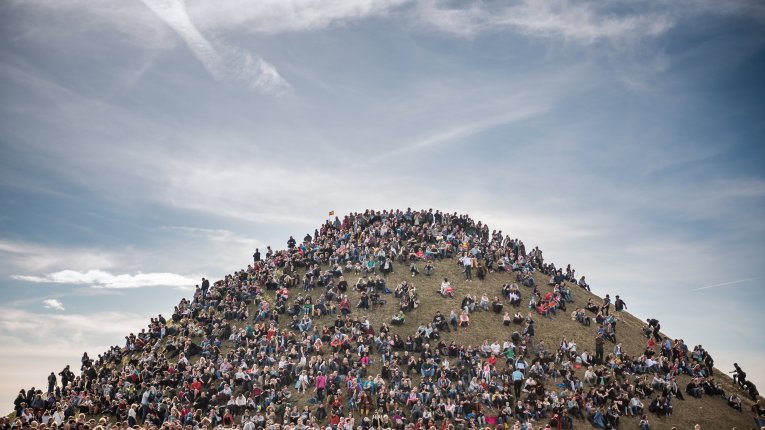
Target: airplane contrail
<point>725,284</point>
<point>224,63</point>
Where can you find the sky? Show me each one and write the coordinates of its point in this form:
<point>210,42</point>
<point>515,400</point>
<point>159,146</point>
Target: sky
<point>145,144</point>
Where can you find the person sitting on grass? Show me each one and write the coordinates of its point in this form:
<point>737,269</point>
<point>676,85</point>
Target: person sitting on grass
<point>497,306</point>
<point>583,319</point>
<point>484,303</point>
<point>413,269</point>
<point>734,401</point>
<point>518,318</point>
<point>439,322</point>
<point>428,268</point>
<point>446,288</point>
<point>644,424</point>
<point>583,284</point>
<point>592,307</point>
<point>398,319</point>
<point>464,319</point>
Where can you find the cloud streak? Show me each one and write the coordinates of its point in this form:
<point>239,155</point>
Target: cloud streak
<point>102,279</point>
<point>582,22</point>
<point>225,63</point>
<point>466,130</point>
<point>278,16</point>
<point>53,304</point>
<point>726,284</point>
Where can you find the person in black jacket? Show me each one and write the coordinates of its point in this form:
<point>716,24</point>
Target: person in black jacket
<point>620,307</point>
<point>654,324</point>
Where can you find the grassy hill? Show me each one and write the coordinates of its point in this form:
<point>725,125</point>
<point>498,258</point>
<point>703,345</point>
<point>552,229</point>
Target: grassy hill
<point>711,412</point>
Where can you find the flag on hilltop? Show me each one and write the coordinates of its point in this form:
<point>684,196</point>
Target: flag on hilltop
<point>331,213</point>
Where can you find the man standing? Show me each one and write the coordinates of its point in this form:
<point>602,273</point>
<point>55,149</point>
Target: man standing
<point>51,382</point>
<point>65,376</point>
<point>599,349</point>
<point>205,287</point>
<point>256,255</point>
<point>620,307</point>
<point>606,305</point>
<point>467,264</point>
<point>517,382</point>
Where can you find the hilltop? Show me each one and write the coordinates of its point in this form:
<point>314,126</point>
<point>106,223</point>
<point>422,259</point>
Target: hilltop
<point>234,350</point>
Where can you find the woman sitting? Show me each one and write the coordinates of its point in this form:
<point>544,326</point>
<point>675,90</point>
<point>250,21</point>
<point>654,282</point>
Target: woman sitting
<point>464,319</point>
<point>446,289</point>
<point>518,318</point>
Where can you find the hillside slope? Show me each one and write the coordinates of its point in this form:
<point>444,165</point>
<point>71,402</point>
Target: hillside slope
<point>197,390</point>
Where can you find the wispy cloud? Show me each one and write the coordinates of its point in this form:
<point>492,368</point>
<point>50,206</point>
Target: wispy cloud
<point>103,279</point>
<point>53,304</point>
<point>222,236</point>
<point>26,256</point>
<point>65,330</point>
<point>725,284</point>
<point>225,63</point>
<point>582,22</point>
<point>278,16</point>
<point>462,131</point>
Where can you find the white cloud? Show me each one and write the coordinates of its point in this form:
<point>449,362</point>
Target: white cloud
<point>219,236</point>
<point>136,24</point>
<point>224,62</point>
<point>26,256</point>
<point>68,327</point>
<point>53,304</point>
<point>583,22</point>
<point>277,16</point>
<point>103,279</point>
<point>36,343</point>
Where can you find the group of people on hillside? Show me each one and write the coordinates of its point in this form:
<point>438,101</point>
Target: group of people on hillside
<point>242,349</point>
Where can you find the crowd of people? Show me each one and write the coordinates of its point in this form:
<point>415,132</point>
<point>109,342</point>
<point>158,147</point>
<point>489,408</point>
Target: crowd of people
<point>242,350</point>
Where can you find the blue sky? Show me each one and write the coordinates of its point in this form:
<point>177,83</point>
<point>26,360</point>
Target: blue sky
<point>144,144</point>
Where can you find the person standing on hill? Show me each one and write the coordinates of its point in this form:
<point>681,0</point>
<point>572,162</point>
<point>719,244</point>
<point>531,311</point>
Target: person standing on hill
<point>517,382</point>
<point>467,264</point>
<point>51,382</point>
<point>205,287</point>
<point>620,307</point>
<point>654,324</point>
<point>321,384</point>
<point>67,376</point>
<point>740,376</point>
<point>606,305</point>
<point>599,349</point>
